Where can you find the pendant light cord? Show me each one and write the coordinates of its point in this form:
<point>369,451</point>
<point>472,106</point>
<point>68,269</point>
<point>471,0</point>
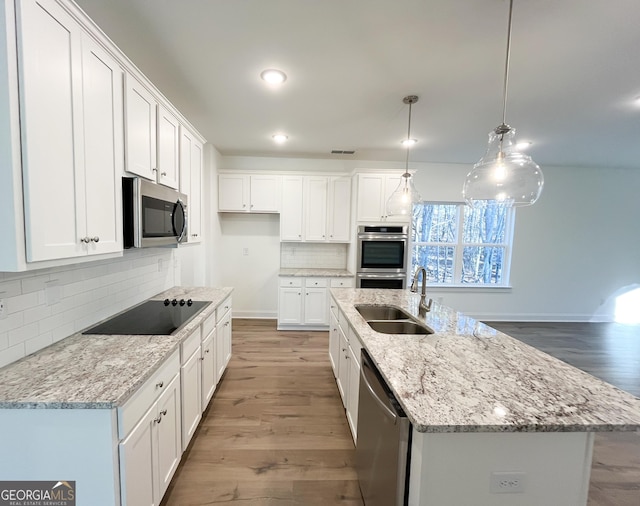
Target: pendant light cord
<point>406,162</point>
<point>506,68</point>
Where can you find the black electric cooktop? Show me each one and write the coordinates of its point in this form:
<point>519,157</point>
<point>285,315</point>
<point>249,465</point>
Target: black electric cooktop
<point>154,317</point>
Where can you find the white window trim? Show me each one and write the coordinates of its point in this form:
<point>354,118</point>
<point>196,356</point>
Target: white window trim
<point>459,246</point>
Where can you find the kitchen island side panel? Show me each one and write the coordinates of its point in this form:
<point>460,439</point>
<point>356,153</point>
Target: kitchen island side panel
<point>457,468</point>
<point>78,445</point>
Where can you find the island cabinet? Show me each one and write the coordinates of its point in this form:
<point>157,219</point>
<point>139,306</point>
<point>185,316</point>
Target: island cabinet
<point>71,136</point>
<point>373,192</point>
<point>151,449</point>
<point>344,355</point>
<point>249,193</point>
<point>315,209</point>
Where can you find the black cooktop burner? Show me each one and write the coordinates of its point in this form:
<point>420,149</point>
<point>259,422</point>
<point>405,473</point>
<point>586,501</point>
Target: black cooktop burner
<point>154,317</point>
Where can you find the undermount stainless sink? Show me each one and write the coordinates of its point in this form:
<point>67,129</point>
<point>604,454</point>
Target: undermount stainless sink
<point>382,313</point>
<point>399,327</point>
<point>391,320</point>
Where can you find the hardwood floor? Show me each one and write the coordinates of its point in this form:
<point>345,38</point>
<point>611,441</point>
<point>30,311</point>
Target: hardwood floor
<point>276,434</point>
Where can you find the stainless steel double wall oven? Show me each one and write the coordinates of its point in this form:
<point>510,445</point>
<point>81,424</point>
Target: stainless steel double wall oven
<point>382,256</point>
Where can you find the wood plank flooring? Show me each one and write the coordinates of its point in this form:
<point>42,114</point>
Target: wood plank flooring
<point>276,434</point>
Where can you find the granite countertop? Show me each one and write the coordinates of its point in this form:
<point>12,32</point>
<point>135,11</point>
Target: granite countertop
<point>97,371</point>
<point>469,377</point>
<point>316,273</point>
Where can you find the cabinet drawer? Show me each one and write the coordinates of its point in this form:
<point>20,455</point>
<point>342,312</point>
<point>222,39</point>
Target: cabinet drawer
<point>315,283</point>
<point>189,345</point>
<point>342,283</point>
<point>141,401</point>
<point>208,325</point>
<point>222,309</point>
<point>291,282</point>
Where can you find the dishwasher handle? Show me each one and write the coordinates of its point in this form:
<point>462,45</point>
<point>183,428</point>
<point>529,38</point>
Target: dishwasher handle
<point>389,412</point>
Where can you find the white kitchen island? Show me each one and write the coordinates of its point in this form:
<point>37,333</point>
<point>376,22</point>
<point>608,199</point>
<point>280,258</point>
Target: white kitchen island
<point>482,404</point>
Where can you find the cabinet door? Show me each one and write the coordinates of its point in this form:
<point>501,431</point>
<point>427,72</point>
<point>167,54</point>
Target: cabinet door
<point>137,468</point>
<point>208,370</point>
<point>334,344</point>
<point>168,148</point>
<point>371,188</point>
<point>339,210</point>
<point>219,340</point>
<point>195,196</point>
<point>291,210</point>
<point>265,194</point>
<point>103,147</point>
<point>169,448</point>
<point>353,390</point>
<point>290,306</point>
<point>315,205</point>
<point>233,193</point>
<point>140,129</point>
<point>343,367</point>
<point>191,394</point>
<point>51,127</point>
<point>315,306</point>
<point>228,331</point>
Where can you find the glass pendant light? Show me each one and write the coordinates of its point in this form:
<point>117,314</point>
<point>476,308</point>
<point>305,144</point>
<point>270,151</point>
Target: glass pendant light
<point>504,173</point>
<point>405,195</point>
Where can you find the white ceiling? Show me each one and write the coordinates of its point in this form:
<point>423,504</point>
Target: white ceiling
<point>575,74</point>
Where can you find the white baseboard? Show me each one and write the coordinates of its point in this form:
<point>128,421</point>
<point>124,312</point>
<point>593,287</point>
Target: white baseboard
<point>262,315</point>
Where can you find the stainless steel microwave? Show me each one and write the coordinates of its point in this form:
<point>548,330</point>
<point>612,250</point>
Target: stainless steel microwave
<point>153,215</point>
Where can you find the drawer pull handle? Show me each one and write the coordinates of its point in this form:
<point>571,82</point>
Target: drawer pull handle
<point>160,384</point>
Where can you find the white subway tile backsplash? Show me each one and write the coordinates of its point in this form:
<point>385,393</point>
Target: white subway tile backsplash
<point>37,343</point>
<point>313,255</point>
<point>87,294</point>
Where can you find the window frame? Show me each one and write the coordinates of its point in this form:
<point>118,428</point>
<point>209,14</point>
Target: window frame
<point>459,246</point>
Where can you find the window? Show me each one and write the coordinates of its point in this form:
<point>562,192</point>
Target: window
<point>460,245</point>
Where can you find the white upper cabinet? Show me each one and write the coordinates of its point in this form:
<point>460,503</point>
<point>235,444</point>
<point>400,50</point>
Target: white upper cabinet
<point>373,192</point>
<point>71,127</point>
<point>315,206</point>
<point>243,193</point>
<point>315,209</point>
<point>191,153</point>
<point>140,121</point>
<point>168,148</point>
<point>291,211</point>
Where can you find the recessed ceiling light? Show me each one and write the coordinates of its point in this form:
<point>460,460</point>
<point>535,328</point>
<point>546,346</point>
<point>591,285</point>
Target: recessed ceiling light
<point>280,138</point>
<point>273,76</point>
<point>523,145</point>
<point>409,142</point>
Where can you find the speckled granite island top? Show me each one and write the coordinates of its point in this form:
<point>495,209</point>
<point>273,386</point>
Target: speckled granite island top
<point>469,377</point>
<point>316,273</point>
<point>97,371</point>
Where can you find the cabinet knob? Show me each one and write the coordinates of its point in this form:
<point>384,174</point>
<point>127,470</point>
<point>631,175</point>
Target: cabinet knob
<point>85,240</point>
<point>207,350</point>
<point>244,205</point>
<point>160,384</point>
<point>163,412</point>
<point>95,239</point>
<point>299,235</point>
<point>154,170</point>
<point>157,420</point>
<point>252,206</point>
<point>163,173</point>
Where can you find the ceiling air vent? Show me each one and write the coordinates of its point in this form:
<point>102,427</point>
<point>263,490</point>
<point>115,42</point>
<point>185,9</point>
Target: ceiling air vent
<point>342,151</point>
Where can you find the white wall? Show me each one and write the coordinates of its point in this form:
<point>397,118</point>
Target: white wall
<point>86,293</point>
<point>253,275</point>
<point>557,274</point>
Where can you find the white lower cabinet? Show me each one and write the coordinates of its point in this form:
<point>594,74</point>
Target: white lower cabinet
<point>208,369</point>
<point>344,355</point>
<point>223,337</point>
<point>302,302</point>
<point>191,386</point>
<point>150,454</point>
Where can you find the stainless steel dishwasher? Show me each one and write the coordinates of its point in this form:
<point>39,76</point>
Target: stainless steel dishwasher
<point>384,441</point>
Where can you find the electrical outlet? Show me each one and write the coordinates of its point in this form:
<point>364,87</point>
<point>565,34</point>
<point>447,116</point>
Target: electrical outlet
<point>507,483</point>
<point>3,309</point>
